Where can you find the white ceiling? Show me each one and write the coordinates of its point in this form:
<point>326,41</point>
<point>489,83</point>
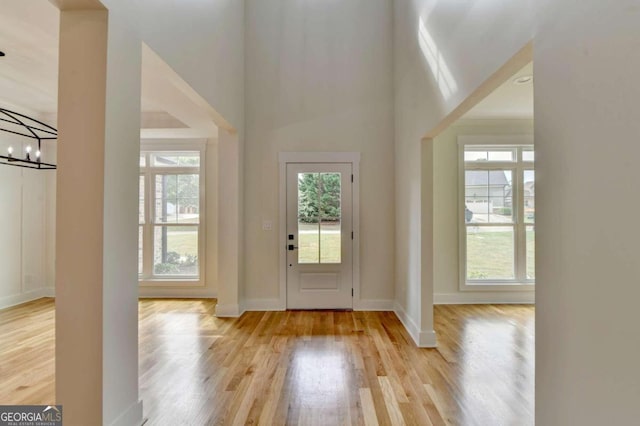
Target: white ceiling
<point>508,101</point>
<point>29,74</point>
<point>29,71</point>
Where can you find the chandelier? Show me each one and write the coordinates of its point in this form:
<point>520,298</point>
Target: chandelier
<point>36,132</point>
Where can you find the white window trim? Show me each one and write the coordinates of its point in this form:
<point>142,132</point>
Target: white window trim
<point>498,141</point>
<point>147,147</point>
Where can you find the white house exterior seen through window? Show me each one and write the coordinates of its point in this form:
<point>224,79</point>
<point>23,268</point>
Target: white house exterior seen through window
<point>497,213</point>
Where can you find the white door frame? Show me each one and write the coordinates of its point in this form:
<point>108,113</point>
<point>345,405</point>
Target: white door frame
<point>318,157</point>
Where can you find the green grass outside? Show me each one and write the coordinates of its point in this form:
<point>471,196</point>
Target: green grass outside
<point>531,254</point>
<point>186,243</point>
<point>329,243</point>
<point>490,255</point>
<point>183,243</point>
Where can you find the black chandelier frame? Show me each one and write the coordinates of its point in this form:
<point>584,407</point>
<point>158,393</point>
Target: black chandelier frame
<point>28,127</point>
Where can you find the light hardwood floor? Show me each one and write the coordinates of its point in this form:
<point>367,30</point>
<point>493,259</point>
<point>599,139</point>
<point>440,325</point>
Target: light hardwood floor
<point>296,367</point>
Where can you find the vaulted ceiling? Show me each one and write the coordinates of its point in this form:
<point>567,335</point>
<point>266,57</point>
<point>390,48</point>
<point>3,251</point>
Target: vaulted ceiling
<point>29,74</point>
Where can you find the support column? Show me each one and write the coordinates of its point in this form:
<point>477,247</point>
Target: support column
<point>229,226</point>
<point>96,219</point>
<point>427,337</point>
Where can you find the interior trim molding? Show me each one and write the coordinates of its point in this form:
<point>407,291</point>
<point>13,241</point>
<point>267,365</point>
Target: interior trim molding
<point>422,338</point>
<point>467,298</point>
<point>427,339</point>
<point>275,304</point>
<point>132,416</point>
<point>49,292</point>
<point>373,304</point>
<point>229,311</point>
<point>148,293</point>
<point>263,305</point>
<point>176,293</point>
<point>19,299</point>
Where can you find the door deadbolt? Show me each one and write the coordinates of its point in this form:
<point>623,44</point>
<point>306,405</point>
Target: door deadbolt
<point>292,247</point>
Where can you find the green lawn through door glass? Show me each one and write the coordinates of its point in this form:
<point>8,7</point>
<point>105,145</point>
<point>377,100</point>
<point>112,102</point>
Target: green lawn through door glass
<point>319,218</point>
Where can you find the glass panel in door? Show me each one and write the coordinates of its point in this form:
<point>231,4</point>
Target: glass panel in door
<point>319,218</point>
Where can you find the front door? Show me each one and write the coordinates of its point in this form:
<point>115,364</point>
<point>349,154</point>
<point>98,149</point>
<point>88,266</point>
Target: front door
<point>319,236</point>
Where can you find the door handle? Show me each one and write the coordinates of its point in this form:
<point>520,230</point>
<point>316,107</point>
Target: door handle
<point>292,247</point>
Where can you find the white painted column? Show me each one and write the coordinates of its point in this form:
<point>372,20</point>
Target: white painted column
<point>587,132</point>
<point>96,220</point>
<point>229,226</point>
<point>427,337</point>
<point>120,400</point>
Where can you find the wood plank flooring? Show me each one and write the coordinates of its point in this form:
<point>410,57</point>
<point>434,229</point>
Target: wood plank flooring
<point>296,367</point>
<point>27,350</point>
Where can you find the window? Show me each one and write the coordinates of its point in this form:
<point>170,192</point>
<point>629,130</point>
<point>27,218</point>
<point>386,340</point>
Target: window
<point>497,213</point>
<point>319,218</point>
<point>171,205</point>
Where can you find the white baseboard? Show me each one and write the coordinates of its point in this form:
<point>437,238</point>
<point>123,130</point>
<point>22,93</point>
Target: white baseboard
<point>473,298</point>
<point>373,305</point>
<point>427,339</point>
<point>18,299</point>
<point>145,292</point>
<point>49,292</point>
<point>131,416</point>
<point>176,293</point>
<point>229,311</point>
<point>264,305</point>
<point>422,338</point>
<point>278,305</point>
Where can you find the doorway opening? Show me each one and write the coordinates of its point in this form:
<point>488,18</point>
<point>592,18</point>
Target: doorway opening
<point>319,221</point>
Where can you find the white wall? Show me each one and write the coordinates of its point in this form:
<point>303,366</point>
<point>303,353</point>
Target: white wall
<point>203,41</point>
<point>443,51</point>
<point>587,292</point>
<point>26,218</point>
<point>445,215</point>
<point>209,56</point>
<point>319,78</point>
